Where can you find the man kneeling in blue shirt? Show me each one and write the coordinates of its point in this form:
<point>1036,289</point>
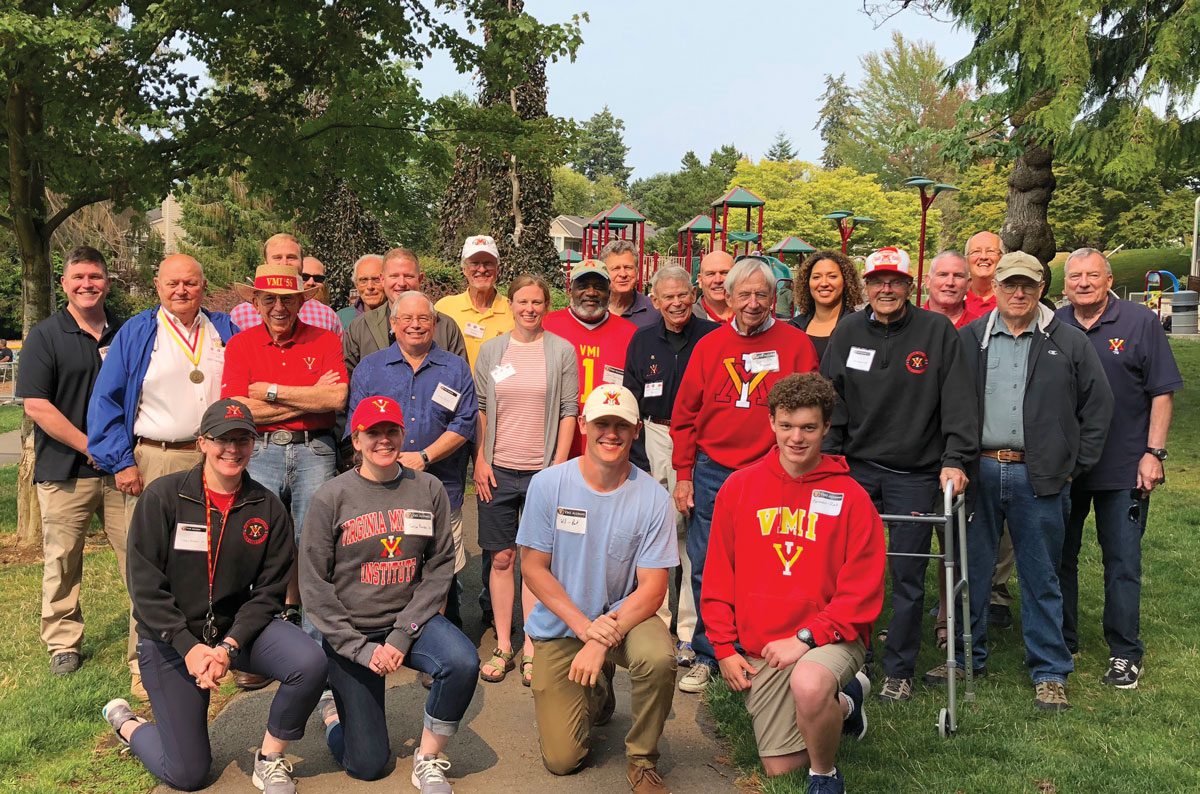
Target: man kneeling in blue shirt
<point>596,543</point>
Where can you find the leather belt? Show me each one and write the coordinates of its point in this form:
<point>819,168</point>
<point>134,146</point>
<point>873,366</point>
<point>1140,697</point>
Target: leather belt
<point>190,444</point>
<point>663,422</point>
<point>285,437</point>
<point>1005,455</point>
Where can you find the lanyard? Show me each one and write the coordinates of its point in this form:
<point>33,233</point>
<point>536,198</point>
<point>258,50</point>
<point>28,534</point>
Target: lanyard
<point>190,343</point>
<point>210,627</point>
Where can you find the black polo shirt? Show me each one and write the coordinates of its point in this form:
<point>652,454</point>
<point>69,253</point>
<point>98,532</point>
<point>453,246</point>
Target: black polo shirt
<point>1140,366</point>
<point>59,363</point>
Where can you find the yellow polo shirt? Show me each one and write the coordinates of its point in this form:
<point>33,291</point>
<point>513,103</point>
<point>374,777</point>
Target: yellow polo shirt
<point>477,327</point>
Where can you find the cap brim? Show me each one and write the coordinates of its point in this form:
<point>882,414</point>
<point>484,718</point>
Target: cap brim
<point>1029,273</point>
<point>228,425</point>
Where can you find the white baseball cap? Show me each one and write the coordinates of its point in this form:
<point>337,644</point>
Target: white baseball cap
<point>890,260</point>
<point>608,399</point>
<point>477,243</point>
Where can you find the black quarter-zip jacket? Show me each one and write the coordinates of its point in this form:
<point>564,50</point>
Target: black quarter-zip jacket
<point>169,585</point>
<point>912,407</point>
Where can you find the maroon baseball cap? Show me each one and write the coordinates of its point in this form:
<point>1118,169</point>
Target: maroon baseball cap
<point>375,410</point>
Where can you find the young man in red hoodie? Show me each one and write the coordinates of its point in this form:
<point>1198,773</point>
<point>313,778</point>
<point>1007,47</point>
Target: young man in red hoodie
<point>794,576</point>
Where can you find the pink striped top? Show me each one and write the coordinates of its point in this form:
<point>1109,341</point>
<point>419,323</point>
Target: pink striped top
<point>520,414</point>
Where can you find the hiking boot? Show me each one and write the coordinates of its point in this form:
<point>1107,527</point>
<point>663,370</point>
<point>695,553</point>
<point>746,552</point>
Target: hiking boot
<point>429,774</point>
<point>65,663</point>
<point>426,680</point>
<point>684,655</point>
<point>645,779</point>
<point>697,678</point>
<point>116,713</point>
<point>291,613</point>
<point>273,773</point>
<point>938,675</point>
<point>826,784</point>
<point>857,690</point>
<point>999,617</point>
<point>1050,696</point>
<point>1122,673</point>
<point>136,688</point>
<point>610,694</point>
<point>895,690</point>
<point>249,681</point>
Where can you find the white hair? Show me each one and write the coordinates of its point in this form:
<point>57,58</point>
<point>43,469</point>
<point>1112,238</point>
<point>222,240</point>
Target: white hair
<point>364,258</point>
<point>412,293</point>
<point>1083,253</point>
<point>670,273</point>
<point>745,268</point>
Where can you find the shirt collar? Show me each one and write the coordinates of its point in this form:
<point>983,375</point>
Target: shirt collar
<point>762,329</point>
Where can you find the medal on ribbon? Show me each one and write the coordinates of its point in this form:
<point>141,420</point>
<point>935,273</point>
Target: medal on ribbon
<point>192,343</point>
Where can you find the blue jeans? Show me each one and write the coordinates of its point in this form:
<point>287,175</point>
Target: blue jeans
<point>359,742</point>
<point>175,747</point>
<point>707,478</point>
<point>1120,524</point>
<point>294,472</point>
<point>1037,526</point>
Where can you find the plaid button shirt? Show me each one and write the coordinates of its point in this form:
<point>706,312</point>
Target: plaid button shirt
<point>312,312</point>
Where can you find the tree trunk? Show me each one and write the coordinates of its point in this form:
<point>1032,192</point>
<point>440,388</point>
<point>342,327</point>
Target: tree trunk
<point>29,514</point>
<point>1030,186</point>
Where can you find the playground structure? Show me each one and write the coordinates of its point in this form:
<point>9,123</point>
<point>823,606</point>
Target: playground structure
<point>738,198</point>
<point>686,240</point>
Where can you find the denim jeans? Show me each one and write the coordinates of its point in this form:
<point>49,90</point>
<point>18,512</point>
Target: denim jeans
<point>1037,526</point>
<point>1120,524</point>
<point>294,472</point>
<point>175,747</point>
<point>898,493</point>
<point>707,478</point>
<point>359,742</point>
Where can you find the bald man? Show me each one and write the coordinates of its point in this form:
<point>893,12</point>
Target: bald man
<point>160,373</point>
<point>713,304</point>
<point>983,252</point>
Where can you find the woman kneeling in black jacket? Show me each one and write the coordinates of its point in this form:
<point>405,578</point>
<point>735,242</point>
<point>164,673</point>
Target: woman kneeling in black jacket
<point>210,552</point>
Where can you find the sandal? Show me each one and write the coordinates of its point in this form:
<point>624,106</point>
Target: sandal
<point>500,660</point>
<point>527,670</point>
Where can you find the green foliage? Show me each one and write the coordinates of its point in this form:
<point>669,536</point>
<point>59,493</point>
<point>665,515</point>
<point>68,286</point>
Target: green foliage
<point>670,200</point>
<point>781,150</point>
<point>341,232</point>
<point>799,193</point>
<point>600,149</point>
<point>837,115</point>
<point>575,194</point>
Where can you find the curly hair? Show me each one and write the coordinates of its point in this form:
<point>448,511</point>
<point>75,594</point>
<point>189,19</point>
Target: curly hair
<point>852,290</point>
<point>803,390</point>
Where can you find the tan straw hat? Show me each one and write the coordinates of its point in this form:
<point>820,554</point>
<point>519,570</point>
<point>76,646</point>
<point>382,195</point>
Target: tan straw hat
<point>277,280</point>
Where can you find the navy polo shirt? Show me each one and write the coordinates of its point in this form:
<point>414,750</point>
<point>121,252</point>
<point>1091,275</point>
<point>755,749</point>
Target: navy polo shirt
<point>1139,364</point>
<point>654,367</point>
<point>59,363</point>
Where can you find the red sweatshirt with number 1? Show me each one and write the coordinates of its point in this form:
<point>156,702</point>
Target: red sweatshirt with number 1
<point>790,553</point>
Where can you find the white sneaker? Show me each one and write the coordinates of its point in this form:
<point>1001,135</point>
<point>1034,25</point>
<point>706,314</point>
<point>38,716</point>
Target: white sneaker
<point>696,680</point>
<point>429,774</point>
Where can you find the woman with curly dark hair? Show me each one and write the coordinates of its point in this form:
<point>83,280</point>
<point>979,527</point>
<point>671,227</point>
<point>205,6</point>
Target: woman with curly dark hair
<point>828,288</point>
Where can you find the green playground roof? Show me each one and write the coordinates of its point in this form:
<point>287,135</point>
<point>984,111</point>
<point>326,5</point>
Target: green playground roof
<point>739,197</point>
<point>620,215</point>
<point>701,224</point>
<point>567,255</point>
<point>744,237</point>
<point>791,245</point>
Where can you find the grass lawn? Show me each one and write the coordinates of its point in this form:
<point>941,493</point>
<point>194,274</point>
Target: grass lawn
<point>1142,740</point>
<point>11,417</point>
<point>1129,267</point>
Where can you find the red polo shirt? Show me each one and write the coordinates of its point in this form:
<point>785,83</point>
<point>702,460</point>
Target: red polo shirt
<point>252,356</point>
<point>967,316</point>
<point>978,306</point>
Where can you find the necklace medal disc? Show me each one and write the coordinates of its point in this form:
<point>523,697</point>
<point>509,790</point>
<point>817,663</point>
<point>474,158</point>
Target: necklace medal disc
<point>196,376</point>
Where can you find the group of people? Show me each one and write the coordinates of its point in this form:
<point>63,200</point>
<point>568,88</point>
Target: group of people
<point>614,445</point>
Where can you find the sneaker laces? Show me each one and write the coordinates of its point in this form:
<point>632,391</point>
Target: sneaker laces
<point>275,770</point>
<point>895,686</point>
<point>1052,692</point>
<point>1119,665</point>
<point>431,769</point>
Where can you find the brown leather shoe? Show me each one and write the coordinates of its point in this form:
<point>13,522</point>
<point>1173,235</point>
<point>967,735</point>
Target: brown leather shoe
<point>136,689</point>
<point>249,681</point>
<point>645,780</point>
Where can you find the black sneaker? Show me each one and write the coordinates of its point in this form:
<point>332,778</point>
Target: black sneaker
<point>857,690</point>
<point>826,784</point>
<point>1122,673</point>
<point>610,694</point>
<point>65,663</point>
<point>291,613</point>
<point>999,617</point>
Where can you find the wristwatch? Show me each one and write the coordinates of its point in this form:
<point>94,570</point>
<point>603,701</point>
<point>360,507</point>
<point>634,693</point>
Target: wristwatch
<point>805,636</point>
<point>1157,452</point>
<point>230,649</point>
<point>424,457</point>
<point>273,392</point>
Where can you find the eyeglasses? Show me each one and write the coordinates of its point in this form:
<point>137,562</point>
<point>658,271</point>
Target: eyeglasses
<point>317,277</point>
<point>236,441</point>
<point>405,319</point>
<point>988,251</point>
<point>367,280</point>
<point>270,299</point>
<point>487,266</point>
<point>896,284</point>
<point>1008,288</point>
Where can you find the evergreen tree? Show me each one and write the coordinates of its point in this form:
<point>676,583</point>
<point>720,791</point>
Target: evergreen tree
<point>601,149</point>
<point>342,232</point>
<point>781,150</point>
<point>835,119</point>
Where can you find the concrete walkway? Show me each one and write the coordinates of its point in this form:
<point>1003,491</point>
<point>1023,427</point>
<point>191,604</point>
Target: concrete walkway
<point>497,748</point>
<point>10,447</point>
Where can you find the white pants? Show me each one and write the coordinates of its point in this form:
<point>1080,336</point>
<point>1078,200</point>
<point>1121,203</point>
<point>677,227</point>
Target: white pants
<point>658,450</point>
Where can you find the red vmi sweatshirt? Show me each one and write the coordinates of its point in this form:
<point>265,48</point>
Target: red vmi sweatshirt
<point>721,407</point>
<point>786,554</point>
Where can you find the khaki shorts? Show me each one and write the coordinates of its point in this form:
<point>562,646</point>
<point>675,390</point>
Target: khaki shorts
<point>772,709</point>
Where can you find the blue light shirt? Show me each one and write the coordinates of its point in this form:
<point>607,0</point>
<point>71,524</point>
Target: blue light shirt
<point>1004,395</point>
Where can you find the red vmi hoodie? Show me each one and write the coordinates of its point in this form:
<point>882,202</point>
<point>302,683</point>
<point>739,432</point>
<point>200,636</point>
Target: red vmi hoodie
<point>786,554</point>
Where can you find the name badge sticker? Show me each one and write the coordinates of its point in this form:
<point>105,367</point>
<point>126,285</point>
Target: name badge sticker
<point>474,330</point>
<point>766,361</point>
<point>653,389</point>
<point>569,519</point>
<point>860,358</point>
<point>826,503</point>
<point>191,537</point>
<point>418,523</point>
<point>613,375</point>
<point>503,372</point>
<point>446,397</point>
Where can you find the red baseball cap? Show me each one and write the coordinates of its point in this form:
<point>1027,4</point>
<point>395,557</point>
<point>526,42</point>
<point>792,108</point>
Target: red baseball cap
<point>376,410</point>
<point>888,260</point>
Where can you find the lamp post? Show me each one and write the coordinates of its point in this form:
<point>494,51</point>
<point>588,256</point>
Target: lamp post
<point>927,197</point>
<point>846,222</point>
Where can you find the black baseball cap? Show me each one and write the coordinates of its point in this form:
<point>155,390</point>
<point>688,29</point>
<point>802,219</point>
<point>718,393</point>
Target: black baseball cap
<point>224,416</point>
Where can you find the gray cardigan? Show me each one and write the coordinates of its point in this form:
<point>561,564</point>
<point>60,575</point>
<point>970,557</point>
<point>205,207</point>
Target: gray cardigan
<point>562,387</point>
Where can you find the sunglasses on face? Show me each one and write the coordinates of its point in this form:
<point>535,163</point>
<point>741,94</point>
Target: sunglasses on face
<point>318,278</point>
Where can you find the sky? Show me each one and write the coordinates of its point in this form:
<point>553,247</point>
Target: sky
<point>696,74</point>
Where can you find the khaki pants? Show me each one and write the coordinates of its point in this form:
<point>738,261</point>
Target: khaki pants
<point>154,462</point>
<point>566,711</point>
<point>1005,564</point>
<point>67,509</point>
<point>658,450</point>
